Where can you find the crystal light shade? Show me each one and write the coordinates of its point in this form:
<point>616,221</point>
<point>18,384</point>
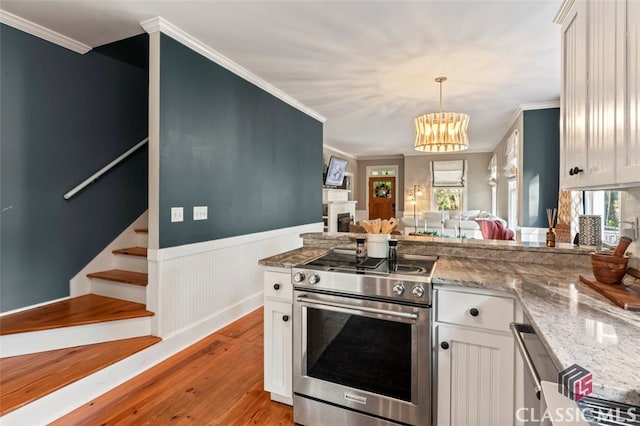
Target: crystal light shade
<point>442,132</point>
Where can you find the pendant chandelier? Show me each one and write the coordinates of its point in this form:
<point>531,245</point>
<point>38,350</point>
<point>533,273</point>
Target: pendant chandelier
<point>441,131</point>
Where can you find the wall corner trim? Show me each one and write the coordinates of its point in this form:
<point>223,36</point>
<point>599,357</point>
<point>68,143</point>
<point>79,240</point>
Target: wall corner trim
<point>159,24</point>
<point>42,32</point>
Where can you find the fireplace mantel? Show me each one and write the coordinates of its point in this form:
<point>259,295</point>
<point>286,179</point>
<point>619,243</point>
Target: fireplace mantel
<point>336,201</point>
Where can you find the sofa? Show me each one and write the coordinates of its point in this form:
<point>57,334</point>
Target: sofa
<point>449,223</point>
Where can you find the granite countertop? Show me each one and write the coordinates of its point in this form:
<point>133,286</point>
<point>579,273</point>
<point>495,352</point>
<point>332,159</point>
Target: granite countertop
<point>577,324</point>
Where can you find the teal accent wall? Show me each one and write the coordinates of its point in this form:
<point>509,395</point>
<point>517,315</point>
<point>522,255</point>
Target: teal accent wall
<point>63,117</point>
<point>254,160</point>
<point>541,165</point>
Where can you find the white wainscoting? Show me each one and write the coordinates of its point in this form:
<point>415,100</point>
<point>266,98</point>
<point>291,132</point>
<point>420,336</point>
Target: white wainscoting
<point>198,288</point>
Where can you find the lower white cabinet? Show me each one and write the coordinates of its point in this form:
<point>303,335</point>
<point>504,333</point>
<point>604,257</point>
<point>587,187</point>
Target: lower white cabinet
<point>278,335</point>
<point>278,346</point>
<point>475,377</point>
<point>475,359</point>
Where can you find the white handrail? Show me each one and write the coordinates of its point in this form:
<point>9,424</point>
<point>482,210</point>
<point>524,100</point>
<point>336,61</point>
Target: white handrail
<point>103,170</point>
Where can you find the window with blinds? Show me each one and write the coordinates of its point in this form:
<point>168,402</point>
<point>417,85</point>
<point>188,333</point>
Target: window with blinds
<point>448,184</point>
<point>448,174</point>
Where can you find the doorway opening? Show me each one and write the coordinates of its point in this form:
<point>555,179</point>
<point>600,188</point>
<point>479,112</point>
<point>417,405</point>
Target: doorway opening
<point>382,192</point>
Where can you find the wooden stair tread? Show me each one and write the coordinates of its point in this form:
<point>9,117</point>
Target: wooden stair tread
<point>26,378</point>
<point>132,251</point>
<point>86,309</point>
<point>141,230</point>
<point>122,276</point>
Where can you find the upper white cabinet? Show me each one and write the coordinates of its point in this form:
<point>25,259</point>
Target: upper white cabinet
<point>628,152</point>
<point>599,94</point>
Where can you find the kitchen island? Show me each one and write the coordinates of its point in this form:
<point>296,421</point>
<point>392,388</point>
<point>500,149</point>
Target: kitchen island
<point>576,324</point>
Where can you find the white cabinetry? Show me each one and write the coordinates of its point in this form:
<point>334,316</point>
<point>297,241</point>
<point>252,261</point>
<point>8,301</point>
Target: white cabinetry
<point>599,94</point>
<point>278,335</point>
<point>628,151</point>
<point>475,359</point>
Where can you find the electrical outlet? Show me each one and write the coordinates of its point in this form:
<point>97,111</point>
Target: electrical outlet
<point>177,214</point>
<point>200,212</point>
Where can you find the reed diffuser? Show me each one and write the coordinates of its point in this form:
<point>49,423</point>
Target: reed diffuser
<point>551,234</point>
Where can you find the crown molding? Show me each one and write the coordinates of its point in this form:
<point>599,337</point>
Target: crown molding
<point>564,10</point>
<point>42,32</point>
<point>539,105</point>
<point>340,152</point>
<point>526,107</point>
<point>159,24</point>
<point>381,157</point>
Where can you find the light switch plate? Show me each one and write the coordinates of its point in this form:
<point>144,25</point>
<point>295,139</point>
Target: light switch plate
<point>200,212</point>
<point>177,214</point>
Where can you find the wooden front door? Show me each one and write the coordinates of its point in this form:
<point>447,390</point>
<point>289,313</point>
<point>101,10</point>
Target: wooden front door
<point>382,197</point>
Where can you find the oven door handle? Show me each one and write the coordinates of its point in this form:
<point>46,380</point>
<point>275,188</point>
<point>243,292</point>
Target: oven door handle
<point>516,330</point>
<point>308,301</point>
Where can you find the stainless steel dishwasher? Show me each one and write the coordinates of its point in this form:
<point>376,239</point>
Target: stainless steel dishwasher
<point>539,368</point>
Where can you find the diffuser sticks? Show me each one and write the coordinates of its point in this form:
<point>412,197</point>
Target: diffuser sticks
<point>551,235</point>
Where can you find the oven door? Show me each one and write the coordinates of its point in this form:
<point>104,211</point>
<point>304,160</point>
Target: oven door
<point>372,357</point>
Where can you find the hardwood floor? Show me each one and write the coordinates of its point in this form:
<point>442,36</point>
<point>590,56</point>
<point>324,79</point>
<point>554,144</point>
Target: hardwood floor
<point>217,381</point>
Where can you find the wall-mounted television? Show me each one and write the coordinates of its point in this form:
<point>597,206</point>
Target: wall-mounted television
<point>335,171</point>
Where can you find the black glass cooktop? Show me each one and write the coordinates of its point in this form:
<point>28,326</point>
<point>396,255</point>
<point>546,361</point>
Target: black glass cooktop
<point>344,260</point>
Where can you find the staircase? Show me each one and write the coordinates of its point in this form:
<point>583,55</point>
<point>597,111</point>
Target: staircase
<point>51,352</point>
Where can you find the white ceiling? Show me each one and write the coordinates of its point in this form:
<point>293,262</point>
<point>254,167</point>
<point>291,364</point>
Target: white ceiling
<point>367,66</point>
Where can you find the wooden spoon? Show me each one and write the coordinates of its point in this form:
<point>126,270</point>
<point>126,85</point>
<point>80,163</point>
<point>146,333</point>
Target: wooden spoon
<point>367,226</point>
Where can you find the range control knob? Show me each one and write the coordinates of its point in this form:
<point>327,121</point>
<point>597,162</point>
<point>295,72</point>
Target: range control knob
<point>418,291</point>
<point>314,279</point>
<point>298,277</point>
<point>398,289</point>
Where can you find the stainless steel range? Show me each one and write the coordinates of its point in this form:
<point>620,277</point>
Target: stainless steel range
<point>362,340</point>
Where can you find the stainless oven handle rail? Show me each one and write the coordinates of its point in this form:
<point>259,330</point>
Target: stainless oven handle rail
<point>308,301</point>
<point>516,329</point>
